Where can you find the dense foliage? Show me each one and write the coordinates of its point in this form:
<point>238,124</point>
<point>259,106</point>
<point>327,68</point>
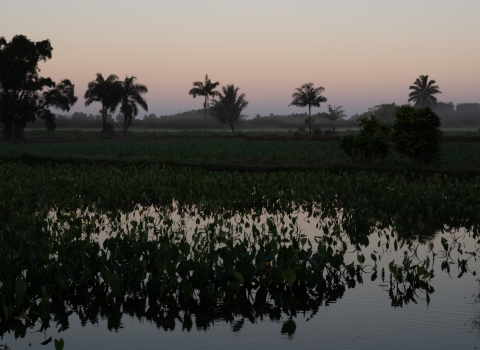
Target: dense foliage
<point>25,95</point>
<point>416,133</point>
<point>228,106</point>
<point>370,144</point>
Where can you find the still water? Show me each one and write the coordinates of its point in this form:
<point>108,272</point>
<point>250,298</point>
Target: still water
<point>368,315</point>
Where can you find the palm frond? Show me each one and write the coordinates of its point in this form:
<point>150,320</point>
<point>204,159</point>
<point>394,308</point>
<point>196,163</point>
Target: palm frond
<point>423,91</point>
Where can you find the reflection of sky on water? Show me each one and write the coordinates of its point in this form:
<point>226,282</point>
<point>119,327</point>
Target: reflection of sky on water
<point>362,319</point>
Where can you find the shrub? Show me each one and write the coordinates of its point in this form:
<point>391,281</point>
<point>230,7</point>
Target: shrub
<point>301,129</point>
<point>371,144</point>
<point>330,133</point>
<point>416,133</point>
<point>317,131</point>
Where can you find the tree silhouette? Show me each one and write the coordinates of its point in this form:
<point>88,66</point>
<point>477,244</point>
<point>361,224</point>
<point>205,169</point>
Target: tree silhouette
<point>206,89</point>
<point>229,105</point>
<point>308,95</point>
<point>130,97</point>
<point>26,96</point>
<point>104,91</point>
<point>423,91</point>
<point>335,113</point>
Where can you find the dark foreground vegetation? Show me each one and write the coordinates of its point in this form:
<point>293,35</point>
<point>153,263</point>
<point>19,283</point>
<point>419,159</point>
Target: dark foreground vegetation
<point>250,252</point>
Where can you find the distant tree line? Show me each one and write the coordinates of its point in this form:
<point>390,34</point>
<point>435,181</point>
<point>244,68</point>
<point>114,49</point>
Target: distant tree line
<point>194,119</point>
<point>26,98</point>
<point>462,115</point>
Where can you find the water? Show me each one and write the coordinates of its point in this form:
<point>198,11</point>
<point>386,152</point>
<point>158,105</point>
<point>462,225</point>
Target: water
<point>362,318</point>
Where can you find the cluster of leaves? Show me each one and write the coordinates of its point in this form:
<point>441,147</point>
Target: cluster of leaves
<point>54,261</point>
<point>416,133</point>
<point>370,144</point>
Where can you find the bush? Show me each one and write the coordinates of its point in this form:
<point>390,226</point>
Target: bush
<point>330,133</point>
<point>371,144</point>
<point>301,129</point>
<point>317,131</point>
<point>416,133</point>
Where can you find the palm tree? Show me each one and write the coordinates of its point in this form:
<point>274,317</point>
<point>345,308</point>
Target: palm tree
<point>129,97</point>
<point>103,91</point>
<point>335,113</point>
<point>206,89</point>
<point>308,95</point>
<point>423,91</point>
<point>229,105</point>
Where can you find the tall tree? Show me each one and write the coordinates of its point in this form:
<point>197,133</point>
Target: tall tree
<point>26,95</point>
<point>384,112</point>
<point>229,105</point>
<point>423,92</point>
<point>105,91</point>
<point>335,113</point>
<point>308,95</point>
<point>130,97</point>
<point>206,89</point>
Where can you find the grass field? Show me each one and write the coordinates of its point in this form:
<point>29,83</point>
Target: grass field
<point>227,150</point>
<point>134,133</point>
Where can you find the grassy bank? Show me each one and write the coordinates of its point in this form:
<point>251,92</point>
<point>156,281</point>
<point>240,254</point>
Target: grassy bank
<point>228,152</point>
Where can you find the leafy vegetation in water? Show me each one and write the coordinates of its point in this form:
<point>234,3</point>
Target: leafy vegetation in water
<point>245,251</point>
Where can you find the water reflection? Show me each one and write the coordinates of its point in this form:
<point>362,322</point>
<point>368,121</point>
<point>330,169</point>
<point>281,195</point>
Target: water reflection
<point>178,267</point>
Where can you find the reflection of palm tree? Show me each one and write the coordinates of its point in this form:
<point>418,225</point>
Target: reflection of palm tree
<point>130,98</point>
<point>335,113</point>
<point>423,91</point>
<point>206,89</point>
<point>102,90</point>
<point>229,105</point>
<point>308,95</point>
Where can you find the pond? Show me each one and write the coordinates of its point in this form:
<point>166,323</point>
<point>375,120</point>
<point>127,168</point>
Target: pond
<point>171,277</point>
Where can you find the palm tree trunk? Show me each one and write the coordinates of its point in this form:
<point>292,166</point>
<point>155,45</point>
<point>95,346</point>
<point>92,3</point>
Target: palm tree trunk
<point>205,105</point>
<point>104,122</point>
<point>310,119</point>
<point>12,136</point>
<point>125,127</point>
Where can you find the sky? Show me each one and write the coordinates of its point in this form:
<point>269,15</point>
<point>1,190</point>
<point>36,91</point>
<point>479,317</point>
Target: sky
<point>363,52</point>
